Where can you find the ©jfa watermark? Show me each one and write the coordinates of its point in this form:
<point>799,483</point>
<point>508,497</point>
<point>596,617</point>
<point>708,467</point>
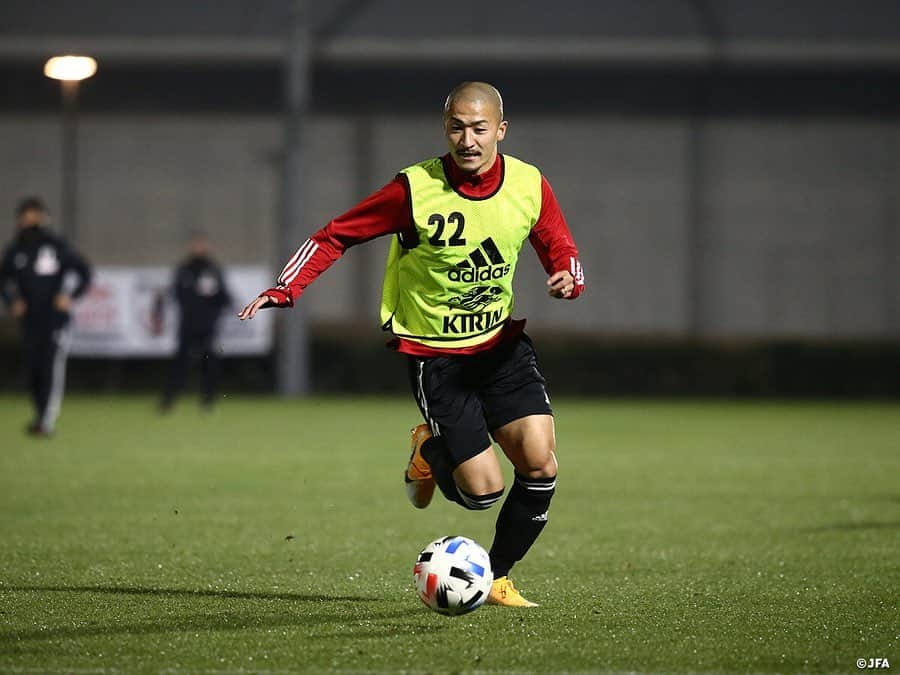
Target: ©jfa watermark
<point>872,663</point>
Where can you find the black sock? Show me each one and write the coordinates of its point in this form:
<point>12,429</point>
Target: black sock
<point>435,453</point>
<point>523,516</point>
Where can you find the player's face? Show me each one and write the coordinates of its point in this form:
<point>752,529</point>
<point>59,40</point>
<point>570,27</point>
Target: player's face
<point>473,129</point>
<point>199,247</point>
<point>31,218</point>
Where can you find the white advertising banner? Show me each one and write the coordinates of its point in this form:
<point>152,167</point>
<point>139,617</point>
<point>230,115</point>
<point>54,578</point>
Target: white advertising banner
<point>130,312</point>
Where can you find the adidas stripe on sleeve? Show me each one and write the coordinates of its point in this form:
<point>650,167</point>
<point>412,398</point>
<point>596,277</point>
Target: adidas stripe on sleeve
<point>384,212</point>
<point>295,264</point>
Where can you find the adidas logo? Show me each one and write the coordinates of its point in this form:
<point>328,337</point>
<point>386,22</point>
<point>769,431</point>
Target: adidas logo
<point>485,268</point>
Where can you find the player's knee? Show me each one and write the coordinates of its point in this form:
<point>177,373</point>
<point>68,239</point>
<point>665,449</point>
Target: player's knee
<point>480,501</point>
<point>539,465</point>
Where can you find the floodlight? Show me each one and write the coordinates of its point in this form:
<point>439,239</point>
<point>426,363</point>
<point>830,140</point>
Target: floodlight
<point>70,68</point>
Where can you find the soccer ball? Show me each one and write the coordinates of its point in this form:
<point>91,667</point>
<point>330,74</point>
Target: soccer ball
<point>453,575</point>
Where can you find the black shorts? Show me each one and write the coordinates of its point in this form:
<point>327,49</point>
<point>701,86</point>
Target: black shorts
<point>463,398</point>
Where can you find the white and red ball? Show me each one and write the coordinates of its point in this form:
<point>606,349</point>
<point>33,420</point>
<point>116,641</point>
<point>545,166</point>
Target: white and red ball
<point>453,575</point>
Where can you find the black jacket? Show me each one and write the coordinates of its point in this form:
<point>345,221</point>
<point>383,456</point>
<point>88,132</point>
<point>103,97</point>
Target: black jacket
<point>200,291</point>
<point>37,266</point>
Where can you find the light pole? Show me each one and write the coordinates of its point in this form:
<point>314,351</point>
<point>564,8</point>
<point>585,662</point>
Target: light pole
<point>70,70</point>
<point>293,352</point>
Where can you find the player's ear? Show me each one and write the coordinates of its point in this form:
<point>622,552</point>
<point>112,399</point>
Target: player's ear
<point>501,130</point>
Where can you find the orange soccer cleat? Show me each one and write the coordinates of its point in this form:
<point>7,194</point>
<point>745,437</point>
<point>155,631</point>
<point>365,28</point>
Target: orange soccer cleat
<point>504,593</point>
<point>418,478</point>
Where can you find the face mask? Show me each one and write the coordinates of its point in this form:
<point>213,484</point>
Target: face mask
<point>30,233</point>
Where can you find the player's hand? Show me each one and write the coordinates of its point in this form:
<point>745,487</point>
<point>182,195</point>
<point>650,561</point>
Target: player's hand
<point>62,302</point>
<point>18,308</point>
<point>261,302</point>
<point>561,284</point>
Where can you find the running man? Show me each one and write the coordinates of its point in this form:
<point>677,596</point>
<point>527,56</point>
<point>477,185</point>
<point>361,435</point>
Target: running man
<point>459,222</point>
<point>40,276</point>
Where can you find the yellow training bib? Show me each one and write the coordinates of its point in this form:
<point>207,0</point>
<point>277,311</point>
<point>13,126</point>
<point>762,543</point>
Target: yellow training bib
<point>453,287</point>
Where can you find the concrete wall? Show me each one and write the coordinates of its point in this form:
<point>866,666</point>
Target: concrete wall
<point>789,226</point>
<point>804,227</point>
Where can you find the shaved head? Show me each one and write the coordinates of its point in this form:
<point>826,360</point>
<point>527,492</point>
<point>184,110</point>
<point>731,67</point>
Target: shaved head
<point>474,125</point>
<point>475,92</point>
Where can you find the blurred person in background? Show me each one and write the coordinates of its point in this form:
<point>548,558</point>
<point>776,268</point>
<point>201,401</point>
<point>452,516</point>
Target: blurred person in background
<point>40,276</point>
<point>201,295</point>
<point>458,223</point>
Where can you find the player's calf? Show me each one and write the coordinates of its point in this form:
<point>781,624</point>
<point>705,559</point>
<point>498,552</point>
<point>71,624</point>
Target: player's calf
<point>476,484</point>
<point>479,481</point>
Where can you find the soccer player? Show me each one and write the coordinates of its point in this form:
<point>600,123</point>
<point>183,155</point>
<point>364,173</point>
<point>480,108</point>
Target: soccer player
<point>40,275</point>
<point>459,222</point>
<point>199,289</point>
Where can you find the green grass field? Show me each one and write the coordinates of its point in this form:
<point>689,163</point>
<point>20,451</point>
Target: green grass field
<point>274,536</point>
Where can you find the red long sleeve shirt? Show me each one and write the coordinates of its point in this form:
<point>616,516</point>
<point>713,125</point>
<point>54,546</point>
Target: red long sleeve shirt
<point>389,211</point>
